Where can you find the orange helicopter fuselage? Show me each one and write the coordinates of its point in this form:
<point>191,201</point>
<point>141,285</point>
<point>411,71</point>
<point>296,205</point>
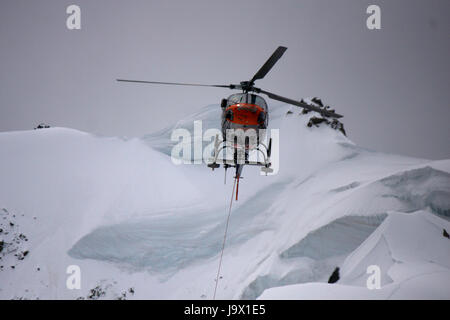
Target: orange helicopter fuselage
<point>246,114</point>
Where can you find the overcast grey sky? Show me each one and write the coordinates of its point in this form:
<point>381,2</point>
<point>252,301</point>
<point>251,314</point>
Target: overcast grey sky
<point>392,85</point>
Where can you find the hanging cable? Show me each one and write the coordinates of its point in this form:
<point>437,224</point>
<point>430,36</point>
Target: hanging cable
<point>224,239</point>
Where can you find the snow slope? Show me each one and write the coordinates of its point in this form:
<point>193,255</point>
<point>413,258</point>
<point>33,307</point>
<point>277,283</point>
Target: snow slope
<point>140,227</point>
<point>413,257</point>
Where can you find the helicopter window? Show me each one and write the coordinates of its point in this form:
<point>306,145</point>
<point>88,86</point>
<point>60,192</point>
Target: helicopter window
<point>246,98</point>
<point>234,99</point>
<point>260,102</point>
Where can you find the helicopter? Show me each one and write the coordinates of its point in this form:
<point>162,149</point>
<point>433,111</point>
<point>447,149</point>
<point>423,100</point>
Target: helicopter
<point>244,113</point>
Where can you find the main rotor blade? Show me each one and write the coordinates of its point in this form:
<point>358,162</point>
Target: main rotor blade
<point>299,104</point>
<point>180,84</point>
<point>269,64</point>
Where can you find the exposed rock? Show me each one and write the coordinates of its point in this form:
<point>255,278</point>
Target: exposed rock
<point>334,276</point>
<point>317,101</point>
<point>445,234</point>
<point>11,240</point>
<point>335,124</point>
<point>319,119</point>
<point>107,289</point>
<point>42,126</point>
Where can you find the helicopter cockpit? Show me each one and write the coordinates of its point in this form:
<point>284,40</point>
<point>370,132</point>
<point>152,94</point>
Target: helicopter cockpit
<point>244,110</point>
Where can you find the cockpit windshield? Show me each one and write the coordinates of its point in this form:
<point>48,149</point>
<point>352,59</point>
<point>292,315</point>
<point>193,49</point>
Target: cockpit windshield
<point>247,98</point>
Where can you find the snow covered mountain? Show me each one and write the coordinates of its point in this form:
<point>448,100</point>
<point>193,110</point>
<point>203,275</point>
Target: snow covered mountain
<point>140,227</point>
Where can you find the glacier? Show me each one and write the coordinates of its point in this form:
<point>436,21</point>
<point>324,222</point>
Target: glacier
<point>140,227</point>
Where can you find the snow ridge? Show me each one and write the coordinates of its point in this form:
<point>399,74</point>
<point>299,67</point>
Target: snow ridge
<point>131,219</point>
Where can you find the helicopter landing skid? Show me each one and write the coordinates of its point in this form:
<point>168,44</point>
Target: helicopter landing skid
<point>240,157</point>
